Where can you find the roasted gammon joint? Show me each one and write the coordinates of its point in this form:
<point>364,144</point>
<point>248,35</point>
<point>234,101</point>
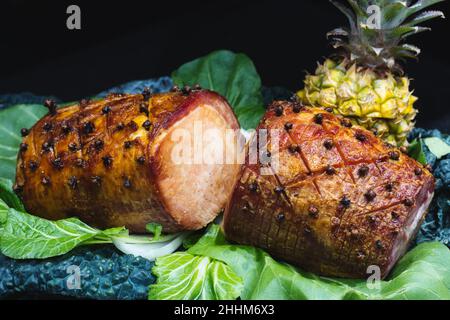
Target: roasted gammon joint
<point>328,197</point>
<point>129,160</point>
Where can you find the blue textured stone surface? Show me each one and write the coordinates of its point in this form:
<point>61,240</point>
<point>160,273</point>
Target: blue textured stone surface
<point>103,273</point>
<point>19,98</point>
<point>157,85</point>
<point>436,226</point>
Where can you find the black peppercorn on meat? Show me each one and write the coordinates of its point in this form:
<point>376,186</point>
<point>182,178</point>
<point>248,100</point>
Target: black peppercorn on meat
<point>111,163</point>
<point>333,198</point>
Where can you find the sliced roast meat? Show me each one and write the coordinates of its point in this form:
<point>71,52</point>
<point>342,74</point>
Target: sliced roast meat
<point>132,159</point>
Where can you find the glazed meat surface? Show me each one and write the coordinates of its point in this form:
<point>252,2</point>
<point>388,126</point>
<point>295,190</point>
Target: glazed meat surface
<point>112,162</point>
<point>332,199</point>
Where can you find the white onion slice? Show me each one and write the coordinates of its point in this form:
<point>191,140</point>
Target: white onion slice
<point>147,239</point>
<point>149,251</point>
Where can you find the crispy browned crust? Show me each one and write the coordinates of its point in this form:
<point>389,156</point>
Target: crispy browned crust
<point>110,178</point>
<point>300,213</point>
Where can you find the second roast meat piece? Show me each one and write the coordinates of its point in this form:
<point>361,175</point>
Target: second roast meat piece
<point>132,159</point>
<point>330,198</point>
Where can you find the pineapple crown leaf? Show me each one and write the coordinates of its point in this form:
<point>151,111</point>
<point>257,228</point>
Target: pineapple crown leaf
<point>378,29</point>
<point>425,16</point>
<point>347,12</point>
<point>338,32</point>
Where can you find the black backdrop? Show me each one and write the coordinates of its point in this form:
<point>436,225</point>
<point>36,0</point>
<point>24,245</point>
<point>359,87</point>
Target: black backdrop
<point>129,40</point>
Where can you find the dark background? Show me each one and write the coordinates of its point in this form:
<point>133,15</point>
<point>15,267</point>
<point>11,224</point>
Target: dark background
<point>130,40</point>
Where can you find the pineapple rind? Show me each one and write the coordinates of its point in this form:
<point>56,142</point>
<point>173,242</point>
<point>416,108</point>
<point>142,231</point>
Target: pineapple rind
<point>383,105</point>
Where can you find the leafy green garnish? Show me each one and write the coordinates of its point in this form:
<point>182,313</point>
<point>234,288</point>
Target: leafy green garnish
<point>183,276</point>
<point>415,151</point>
<point>28,237</point>
<point>3,214</point>
<point>8,195</point>
<point>421,274</point>
<point>232,75</point>
<point>155,229</point>
<point>437,146</point>
<point>12,119</point>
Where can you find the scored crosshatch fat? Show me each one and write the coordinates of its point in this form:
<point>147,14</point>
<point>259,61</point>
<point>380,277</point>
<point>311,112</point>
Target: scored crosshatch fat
<point>110,162</point>
<point>338,200</point>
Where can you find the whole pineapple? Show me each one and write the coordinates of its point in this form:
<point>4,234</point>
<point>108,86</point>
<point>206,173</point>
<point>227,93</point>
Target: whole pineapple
<point>364,81</point>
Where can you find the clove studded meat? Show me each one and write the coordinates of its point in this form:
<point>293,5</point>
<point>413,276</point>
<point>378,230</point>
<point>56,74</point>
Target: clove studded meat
<point>330,198</point>
<point>111,162</point>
